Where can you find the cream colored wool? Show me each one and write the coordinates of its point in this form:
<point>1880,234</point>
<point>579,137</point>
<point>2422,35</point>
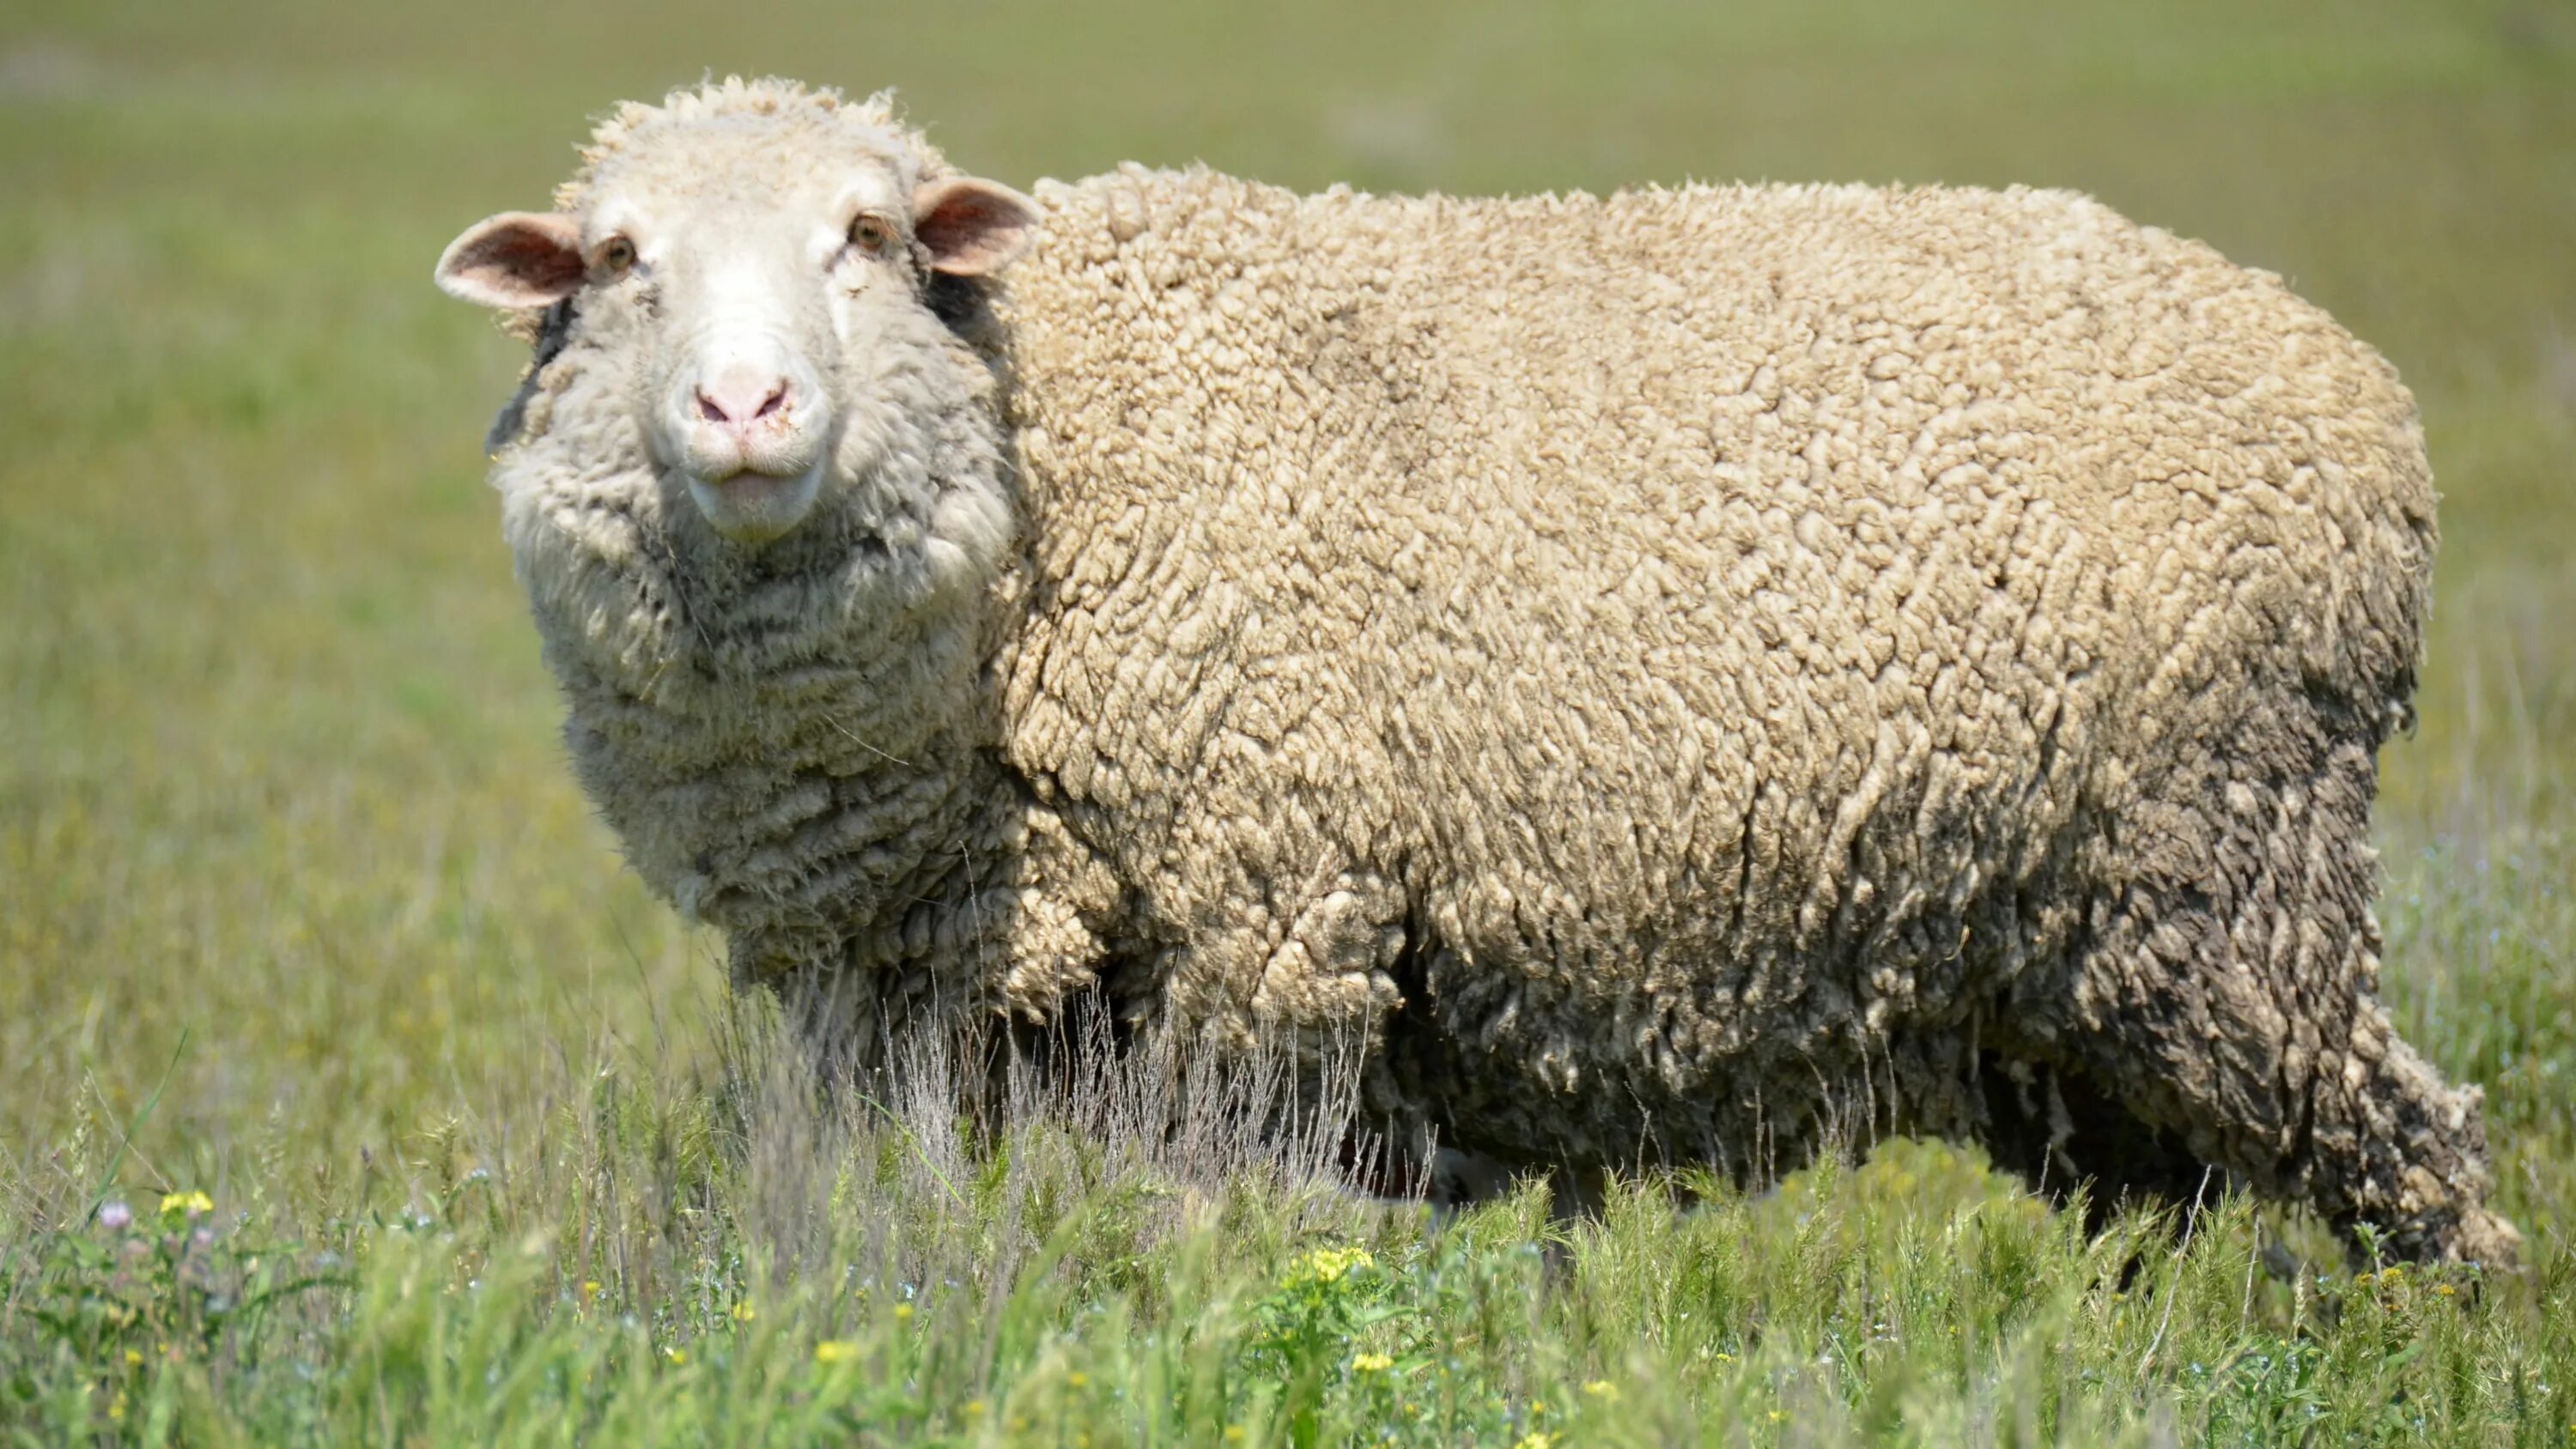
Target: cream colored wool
<point>1669,675</point>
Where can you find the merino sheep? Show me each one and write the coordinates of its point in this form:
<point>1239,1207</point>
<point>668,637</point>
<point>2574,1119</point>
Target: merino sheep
<point>1659,672</point>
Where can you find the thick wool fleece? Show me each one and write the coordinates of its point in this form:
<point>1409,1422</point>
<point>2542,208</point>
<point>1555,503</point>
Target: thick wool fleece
<point>1668,675</point>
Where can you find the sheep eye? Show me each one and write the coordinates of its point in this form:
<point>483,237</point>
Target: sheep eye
<point>616,254</point>
<point>873,235</point>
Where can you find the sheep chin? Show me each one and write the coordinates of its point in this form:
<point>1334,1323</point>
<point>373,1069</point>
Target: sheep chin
<point>756,508</point>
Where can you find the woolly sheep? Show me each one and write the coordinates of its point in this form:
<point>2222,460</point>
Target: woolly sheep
<point>1668,676</point>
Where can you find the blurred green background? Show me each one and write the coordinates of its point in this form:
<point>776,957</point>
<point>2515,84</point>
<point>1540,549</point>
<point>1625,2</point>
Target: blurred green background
<point>278,763</point>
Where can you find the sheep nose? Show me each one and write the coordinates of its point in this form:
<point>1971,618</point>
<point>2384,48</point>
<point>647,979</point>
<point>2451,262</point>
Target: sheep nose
<point>740,396</point>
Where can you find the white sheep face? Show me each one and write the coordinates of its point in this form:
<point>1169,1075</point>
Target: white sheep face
<point>755,266</point>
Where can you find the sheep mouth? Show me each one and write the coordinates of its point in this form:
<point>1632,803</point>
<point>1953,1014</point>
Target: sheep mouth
<point>754,507</point>
<point>751,481</point>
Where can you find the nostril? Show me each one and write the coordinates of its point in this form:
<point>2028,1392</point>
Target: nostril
<point>738,398</point>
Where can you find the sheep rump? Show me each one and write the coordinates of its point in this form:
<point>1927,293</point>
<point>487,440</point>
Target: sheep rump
<point>1665,677</point>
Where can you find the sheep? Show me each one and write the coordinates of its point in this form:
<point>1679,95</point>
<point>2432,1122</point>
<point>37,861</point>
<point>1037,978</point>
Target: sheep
<point>1670,677</point>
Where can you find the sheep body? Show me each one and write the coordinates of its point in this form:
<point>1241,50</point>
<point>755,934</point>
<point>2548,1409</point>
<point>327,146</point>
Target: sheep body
<point>1664,674</point>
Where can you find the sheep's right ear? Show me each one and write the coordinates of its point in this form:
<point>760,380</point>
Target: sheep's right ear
<point>516,259</point>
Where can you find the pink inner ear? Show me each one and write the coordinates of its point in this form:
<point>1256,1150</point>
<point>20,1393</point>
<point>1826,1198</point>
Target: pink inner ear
<point>518,259</point>
<point>972,227</point>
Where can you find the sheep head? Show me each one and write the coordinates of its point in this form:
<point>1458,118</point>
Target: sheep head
<point>763,256</point>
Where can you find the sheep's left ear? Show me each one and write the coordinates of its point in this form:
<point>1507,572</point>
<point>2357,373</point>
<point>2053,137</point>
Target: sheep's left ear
<point>972,227</point>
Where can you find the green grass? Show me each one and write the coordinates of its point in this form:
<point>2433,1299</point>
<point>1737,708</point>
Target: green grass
<point>296,891</point>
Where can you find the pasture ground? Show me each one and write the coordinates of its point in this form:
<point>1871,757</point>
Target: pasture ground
<point>434,1129</point>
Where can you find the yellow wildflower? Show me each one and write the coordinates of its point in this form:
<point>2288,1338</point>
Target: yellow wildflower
<point>2444,1289</point>
<point>1535,1440</point>
<point>974,1409</point>
<point>190,1203</point>
<point>133,1358</point>
<point>1602,1389</point>
<point>2392,1274</point>
<point>744,1313</point>
<point>903,1313</point>
<point>1371,1363</point>
<point>676,1355</point>
<point>1078,1380</point>
<point>1234,1433</point>
<point>1328,1265</point>
<point>835,1350</point>
<point>1779,1416</point>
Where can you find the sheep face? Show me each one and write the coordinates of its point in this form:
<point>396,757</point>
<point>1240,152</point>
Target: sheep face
<point>763,277</point>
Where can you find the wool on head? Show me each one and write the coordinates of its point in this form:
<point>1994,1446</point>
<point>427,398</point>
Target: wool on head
<point>788,111</point>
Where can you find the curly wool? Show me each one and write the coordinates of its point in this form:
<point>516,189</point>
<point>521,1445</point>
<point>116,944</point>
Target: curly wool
<point>1665,660</point>
<point>1668,674</point>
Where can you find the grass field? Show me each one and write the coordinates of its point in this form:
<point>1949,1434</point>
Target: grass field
<point>431,1127</point>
